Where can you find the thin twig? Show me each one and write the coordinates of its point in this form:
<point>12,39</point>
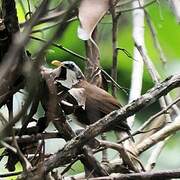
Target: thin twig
<point>160,135</point>
<point>122,3</point>
<point>115,19</point>
<point>9,174</point>
<point>33,138</point>
<point>155,39</point>
<point>132,9</point>
<point>140,129</point>
<point>126,53</point>
<point>114,82</point>
<point>60,47</point>
<point>51,26</point>
<point>124,155</point>
<point>157,115</point>
<point>154,74</point>
<point>69,13</point>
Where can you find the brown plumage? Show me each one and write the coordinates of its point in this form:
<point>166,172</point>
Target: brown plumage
<point>97,102</point>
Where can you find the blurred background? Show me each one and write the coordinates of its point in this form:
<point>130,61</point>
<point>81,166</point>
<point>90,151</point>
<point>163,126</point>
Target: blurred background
<point>168,33</point>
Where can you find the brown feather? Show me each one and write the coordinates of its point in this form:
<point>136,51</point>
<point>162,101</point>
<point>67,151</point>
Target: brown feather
<point>98,102</point>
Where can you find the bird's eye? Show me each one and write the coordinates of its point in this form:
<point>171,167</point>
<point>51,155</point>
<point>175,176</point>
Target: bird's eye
<point>70,66</point>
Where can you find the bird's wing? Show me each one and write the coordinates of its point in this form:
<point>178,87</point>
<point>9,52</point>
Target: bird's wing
<point>100,103</point>
<point>105,103</point>
<point>101,100</point>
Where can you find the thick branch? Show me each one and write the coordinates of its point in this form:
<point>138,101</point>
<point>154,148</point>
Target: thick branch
<point>144,175</point>
<point>71,149</point>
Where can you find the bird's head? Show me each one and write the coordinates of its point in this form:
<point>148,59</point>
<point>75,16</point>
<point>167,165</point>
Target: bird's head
<point>70,74</point>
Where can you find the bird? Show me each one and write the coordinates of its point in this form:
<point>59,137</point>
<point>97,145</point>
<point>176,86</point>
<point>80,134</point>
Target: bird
<point>91,103</point>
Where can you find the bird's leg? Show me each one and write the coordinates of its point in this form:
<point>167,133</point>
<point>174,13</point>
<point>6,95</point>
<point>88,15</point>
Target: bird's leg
<point>104,152</point>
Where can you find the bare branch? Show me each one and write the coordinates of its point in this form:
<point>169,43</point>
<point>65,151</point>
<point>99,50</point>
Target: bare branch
<point>176,8</point>
<point>144,175</point>
<point>159,136</point>
<point>123,152</point>
<point>60,47</point>
<point>71,149</point>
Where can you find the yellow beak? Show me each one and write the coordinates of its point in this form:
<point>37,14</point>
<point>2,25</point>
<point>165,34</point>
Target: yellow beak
<point>57,63</point>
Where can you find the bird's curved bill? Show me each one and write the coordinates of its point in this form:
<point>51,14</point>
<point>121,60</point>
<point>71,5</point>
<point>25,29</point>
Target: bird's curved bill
<point>57,63</point>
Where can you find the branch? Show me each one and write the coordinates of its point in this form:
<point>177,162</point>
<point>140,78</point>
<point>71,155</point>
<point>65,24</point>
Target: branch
<point>154,75</point>
<point>155,154</point>
<point>163,111</point>
<point>13,60</point>
<point>156,43</point>
<point>144,175</point>
<point>150,120</point>
<point>57,117</point>
<point>176,9</point>
<point>60,47</point>
<point>115,19</point>
<point>8,25</point>
<point>159,136</point>
<point>138,65</point>
<point>71,149</point>
<point>32,138</point>
<point>139,7</point>
<point>93,60</point>
<point>123,152</point>
<point>69,13</point>
<point>9,174</point>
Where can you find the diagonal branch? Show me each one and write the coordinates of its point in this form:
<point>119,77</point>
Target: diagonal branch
<point>158,136</point>
<point>71,149</point>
